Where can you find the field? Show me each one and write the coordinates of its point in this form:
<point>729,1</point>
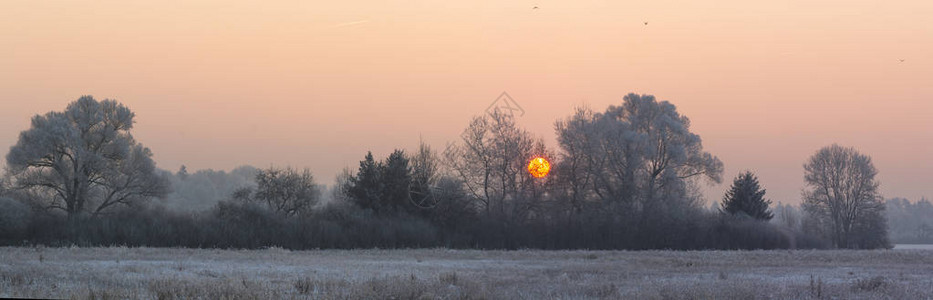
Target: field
<point>912,247</point>
<point>462,274</point>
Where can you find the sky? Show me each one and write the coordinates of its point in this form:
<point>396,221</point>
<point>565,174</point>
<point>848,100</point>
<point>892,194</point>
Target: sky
<point>316,84</point>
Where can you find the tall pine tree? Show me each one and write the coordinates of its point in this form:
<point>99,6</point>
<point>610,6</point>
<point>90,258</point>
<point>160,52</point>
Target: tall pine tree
<point>382,186</point>
<point>365,188</point>
<point>396,177</point>
<point>746,196</point>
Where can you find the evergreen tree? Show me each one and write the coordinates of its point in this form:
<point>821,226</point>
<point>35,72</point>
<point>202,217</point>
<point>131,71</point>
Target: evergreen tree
<point>182,172</point>
<point>396,177</point>
<point>382,186</point>
<point>365,188</point>
<point>746,196</point>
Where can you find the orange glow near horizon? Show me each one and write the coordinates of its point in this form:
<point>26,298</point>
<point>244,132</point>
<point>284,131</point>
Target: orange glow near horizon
<point>316,84</point>
<point>539,167</point>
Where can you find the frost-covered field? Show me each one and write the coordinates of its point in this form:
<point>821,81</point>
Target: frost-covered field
<point>913,247</point>
<point>455,274</point>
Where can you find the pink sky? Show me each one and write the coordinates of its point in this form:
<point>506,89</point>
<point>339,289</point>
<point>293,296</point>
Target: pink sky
<point>217,84</point>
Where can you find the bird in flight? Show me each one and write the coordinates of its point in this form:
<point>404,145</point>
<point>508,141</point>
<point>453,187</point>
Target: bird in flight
<point>534,7</point>
<point>902,60</point>
<point>646,23</point>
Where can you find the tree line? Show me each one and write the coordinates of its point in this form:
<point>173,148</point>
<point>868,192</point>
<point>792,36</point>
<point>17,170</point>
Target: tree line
<point>627,177</point>
<point>910,222</point>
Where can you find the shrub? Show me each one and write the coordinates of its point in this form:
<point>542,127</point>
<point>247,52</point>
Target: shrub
<point>14,220</point>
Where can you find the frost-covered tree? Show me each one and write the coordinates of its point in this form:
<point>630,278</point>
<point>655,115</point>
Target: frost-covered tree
<point>424,176</point>
<point>576,170</point>
<point>842,194</point>
<point>747,197</point>
<point>84,159</point>
<point>286,191</point>
<point>634,167</point>
<point>636,154</point>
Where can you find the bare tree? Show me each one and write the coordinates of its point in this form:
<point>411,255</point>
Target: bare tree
<point>423,186</point>
<point>578,167</point>
<point>843,194</point>
<point>84,159</point>
<point>424,166</point>
<point>286,191</point>
<point>491,162</point>
<point>133,179</point>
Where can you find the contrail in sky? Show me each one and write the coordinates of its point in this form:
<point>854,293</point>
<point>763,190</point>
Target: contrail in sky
<point>350,23</point>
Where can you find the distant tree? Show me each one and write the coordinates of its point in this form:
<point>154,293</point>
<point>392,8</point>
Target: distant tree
<point>490,161</point>
<point>650,145</point>
<point>383,187</point>
<point>402,182</point>
<point>634,167</point>
<point>453,206</point>
<point>365,187</point>
<point>925,232</point>
<point>244,194</point>
<point>787,215</point>
<point>576,169</point>
<point>201,190</point>
<point>84,159</point>
<point>635,158</point>
<point>910,222</point>
<point>340,191</point>
<point>396,180</point>
<point>182,172</point>
<point>747,197</point>
<point>870,230</point>
<point>286,191</point>
<point>424,176</point>
<point>842,194</point>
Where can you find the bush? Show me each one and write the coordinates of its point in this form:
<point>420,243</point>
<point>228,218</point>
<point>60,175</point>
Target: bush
<point>14,220</point>
<point>343,225</point>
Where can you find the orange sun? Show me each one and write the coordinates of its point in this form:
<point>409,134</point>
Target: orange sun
<point>539,167</point>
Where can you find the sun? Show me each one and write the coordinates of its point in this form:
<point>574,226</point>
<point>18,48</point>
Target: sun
<point>539,167</point>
